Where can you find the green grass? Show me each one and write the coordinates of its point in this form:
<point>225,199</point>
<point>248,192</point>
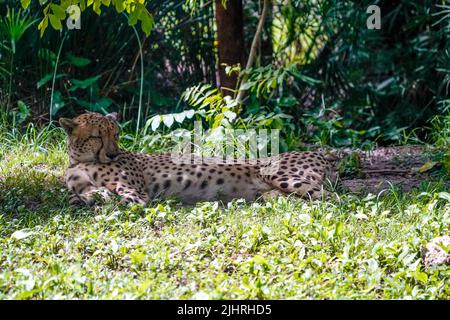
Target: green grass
<point>351,247</point>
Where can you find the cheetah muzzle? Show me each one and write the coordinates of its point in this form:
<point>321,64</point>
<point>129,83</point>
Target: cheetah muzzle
<point>99,168</point>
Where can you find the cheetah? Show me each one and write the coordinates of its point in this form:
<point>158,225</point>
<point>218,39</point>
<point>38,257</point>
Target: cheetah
<point>99,167</point>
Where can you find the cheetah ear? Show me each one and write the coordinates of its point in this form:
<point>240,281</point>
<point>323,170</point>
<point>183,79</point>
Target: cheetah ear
<point>67,124</point>
<point>113,116</point>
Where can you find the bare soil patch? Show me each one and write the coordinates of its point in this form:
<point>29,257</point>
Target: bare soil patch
<point>390,166</point>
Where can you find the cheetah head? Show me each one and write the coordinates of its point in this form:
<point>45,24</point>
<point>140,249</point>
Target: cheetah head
<point>92,137</point>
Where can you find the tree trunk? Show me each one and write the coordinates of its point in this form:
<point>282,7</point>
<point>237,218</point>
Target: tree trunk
<point>230,36</point>
<point>266,45</point>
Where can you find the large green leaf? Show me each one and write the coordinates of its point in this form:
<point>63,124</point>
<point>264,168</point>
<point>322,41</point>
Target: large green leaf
<point>55,22</point>
<point>23,111</point>
<point>168,120</point>
<point>25,3</point>
<point>78,61</point>
<point>58,102</point>
<point>83,84</point>
<point>100,105</point>
<point>47,78</point>
<point>58,11</point>
<point>155,122</point>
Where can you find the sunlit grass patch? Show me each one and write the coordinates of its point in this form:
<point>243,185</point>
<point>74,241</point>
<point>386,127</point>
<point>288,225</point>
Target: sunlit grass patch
<point>350,247</point>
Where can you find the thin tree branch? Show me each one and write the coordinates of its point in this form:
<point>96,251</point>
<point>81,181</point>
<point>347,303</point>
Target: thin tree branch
<point>253,49</point>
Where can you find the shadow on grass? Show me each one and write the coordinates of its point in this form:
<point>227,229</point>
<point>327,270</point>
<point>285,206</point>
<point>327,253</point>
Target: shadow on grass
<point>32,195</point>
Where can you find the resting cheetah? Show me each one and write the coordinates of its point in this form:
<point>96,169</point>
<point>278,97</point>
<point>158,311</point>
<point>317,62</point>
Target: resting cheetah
<point>97,165</point>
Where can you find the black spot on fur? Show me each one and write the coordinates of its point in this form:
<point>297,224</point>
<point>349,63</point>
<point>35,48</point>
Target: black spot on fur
<point>188,184</point>
<point>284,185</point>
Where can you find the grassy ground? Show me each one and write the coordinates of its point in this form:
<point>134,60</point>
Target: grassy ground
<point>354,247</point>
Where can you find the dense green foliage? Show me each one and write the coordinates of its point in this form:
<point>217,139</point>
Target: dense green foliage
<point>351,247</point>
<point>321,71</point>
